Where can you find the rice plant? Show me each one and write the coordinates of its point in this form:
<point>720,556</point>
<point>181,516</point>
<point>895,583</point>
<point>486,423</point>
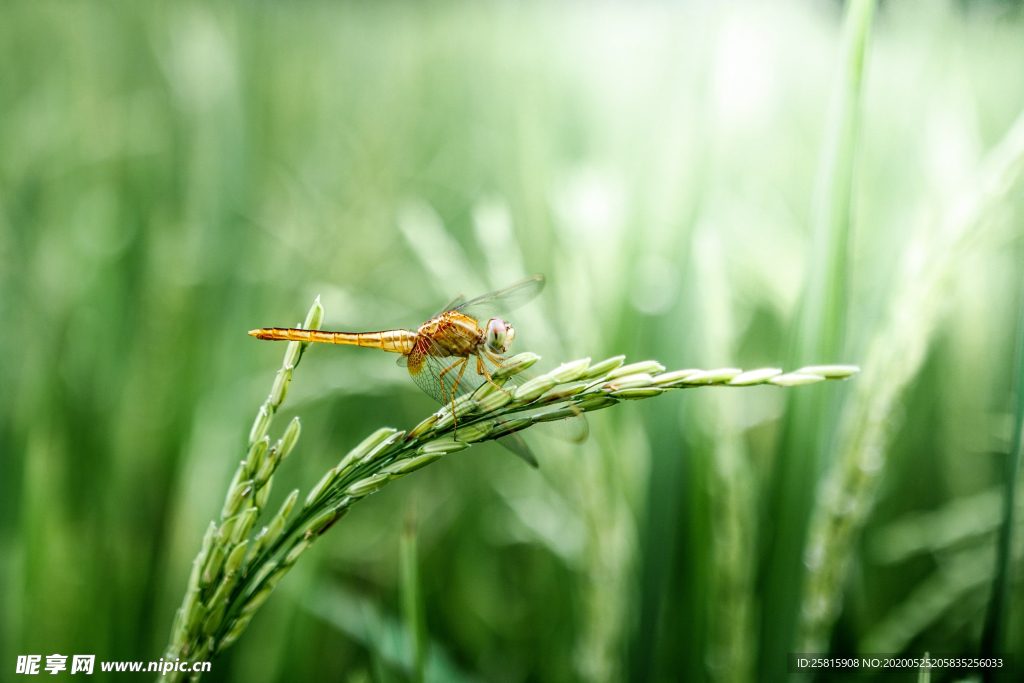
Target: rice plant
<point>707,184</point>
<point>231,579</point>
<point>895,354</point>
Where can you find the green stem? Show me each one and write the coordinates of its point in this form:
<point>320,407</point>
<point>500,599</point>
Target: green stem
<point>810,415</point>
<point>994,634</point>
<point>216,615</point>
<point>412,601</point>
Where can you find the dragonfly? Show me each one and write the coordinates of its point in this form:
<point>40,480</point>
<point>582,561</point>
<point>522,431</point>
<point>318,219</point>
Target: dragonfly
<point>463,335</point>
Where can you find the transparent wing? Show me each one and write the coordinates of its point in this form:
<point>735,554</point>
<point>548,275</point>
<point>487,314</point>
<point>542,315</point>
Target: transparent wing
<point>439,376</point>
<point>573,428</point>
<point>502,301</point>
<point>514,443</point>
<point>454,303</point>
<point>436,376</point>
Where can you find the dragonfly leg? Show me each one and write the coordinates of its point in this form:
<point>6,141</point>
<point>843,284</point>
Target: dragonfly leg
<point>440,378</point>
<point>481,369</point>
<point>458,378</point>
<point>462,368</point>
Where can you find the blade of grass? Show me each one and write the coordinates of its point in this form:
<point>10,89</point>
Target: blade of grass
<point>958,578</point>
<point>361,619</point>
<point>894,358</point>
<point>412,598</point>
<point>730,642</point>
<point>819,335</point>
<point>993,638</point>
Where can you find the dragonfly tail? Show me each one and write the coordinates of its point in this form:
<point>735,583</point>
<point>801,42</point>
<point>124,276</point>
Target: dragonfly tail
<point>395,341</point>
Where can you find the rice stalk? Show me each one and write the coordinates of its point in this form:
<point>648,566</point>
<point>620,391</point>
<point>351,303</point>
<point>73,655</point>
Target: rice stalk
<point>807,428</point>
<point>893,359</point>
<point>730,487</point>
<point>230,582</point>
<point>221,561</point>
<point>993,639</point>
<point>957,578</point>
<point>412,597</point>
<point>966,520</point>
<point>956,588</point>
<point>362,621</point>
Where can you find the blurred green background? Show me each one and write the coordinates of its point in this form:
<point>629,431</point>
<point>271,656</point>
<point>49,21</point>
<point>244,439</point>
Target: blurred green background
<point>175,174</point>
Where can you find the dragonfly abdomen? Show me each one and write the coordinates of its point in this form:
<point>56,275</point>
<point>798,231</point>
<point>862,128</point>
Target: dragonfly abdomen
<point>394,341</point>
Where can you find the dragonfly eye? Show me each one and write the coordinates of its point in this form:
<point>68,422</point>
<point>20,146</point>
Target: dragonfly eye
<point>499,336</point>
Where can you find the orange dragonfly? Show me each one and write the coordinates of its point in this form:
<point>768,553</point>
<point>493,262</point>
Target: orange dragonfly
<point>438,353</point>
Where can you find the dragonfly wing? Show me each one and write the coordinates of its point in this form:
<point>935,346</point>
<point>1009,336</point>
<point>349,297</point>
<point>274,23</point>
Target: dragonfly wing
<point>436,376</point>
<point>513,442</point>
<point>453,304</point>
<point>574,428</point>
<point>502,301</point>
<point>439,376</point>
<point>431,372</point>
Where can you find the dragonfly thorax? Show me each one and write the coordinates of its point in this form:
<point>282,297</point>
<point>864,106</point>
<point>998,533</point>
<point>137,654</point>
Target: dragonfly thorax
<point>498,335</point>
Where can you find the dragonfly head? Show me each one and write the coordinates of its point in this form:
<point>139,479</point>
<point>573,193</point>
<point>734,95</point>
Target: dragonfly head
<point>499,335</point>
